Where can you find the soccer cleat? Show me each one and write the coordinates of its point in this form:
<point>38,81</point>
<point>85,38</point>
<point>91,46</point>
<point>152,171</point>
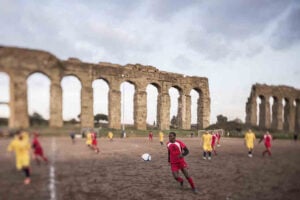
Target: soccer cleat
<point>204,158</point>
<point>195,191</point>
<point>181,184</point>
<point>250,155</point>
<point>209,158</point>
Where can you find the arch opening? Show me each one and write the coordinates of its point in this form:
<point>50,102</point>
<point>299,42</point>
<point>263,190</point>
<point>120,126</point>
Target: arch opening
<point>4,99</point>
<point>152,101</point>
<point>127,104</point>
<point>174,94</point>
<point>100,102</point>
<point>38,96</point>
<point>71,98</point>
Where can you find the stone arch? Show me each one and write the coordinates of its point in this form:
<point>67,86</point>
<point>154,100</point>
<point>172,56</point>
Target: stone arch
<point>20,61</point>
<point>38,97</point>
<point>284,110</point>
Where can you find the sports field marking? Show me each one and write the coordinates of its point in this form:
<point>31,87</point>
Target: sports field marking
<point>52,172</point>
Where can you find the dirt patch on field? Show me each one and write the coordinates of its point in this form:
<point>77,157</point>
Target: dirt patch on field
<point>118,172</point>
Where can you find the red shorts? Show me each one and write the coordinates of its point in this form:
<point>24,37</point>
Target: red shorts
<point>178,166</point>
<point>267,145</point>
<point>94,142</point>
<point>38,151</point>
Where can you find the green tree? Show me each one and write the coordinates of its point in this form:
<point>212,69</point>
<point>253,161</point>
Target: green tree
<point>37,119</point>
<point>102,117</point>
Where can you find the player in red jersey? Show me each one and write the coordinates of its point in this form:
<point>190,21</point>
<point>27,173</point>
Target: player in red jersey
<point>150,136</point>
<point>176,152</point>
<point>37,149</point>
<point>94,142</point>
<point>213,142</point>
<point>267,138</point>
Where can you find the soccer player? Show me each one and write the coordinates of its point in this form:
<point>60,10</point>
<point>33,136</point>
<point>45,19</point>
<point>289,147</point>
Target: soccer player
<point>21,147</point>
<point>213,142</point>
<point>249,141</point>
<point>110,136</point>
<point>161,138</point>
<point>94,142</point>
<point>150,136</point>
<point>89,139</point>
<point>176,152</point>
<point>38,150</point>
<point>267,141</point>
<point>206,144</point>
<point>72,136</point>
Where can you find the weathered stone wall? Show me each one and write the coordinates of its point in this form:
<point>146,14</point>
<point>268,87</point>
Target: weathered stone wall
<point>284,117</point>
<point>20,63</point>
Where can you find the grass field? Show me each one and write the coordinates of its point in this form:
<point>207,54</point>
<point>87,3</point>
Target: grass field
<point>118,172</point>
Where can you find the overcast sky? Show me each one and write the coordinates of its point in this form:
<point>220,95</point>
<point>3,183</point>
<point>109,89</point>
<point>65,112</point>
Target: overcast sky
<point>234,43</point>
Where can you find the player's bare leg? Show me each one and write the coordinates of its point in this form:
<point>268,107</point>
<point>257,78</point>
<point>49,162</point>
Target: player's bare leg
<point>190,180</point>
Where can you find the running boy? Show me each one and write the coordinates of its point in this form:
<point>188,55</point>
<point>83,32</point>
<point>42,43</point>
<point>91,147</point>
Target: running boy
<point>161,138</point>
<point>249,141</point>
<point>267,141</point>
<point>150,136</point>
<point>206,144</point>
<point>94,142</point>
<point>37,149</point>
<point>21,147</point>
<point>176,152</point>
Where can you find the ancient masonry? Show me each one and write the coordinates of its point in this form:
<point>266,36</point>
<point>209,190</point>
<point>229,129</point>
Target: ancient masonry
<point>284,114</point>
<point>20,63</point>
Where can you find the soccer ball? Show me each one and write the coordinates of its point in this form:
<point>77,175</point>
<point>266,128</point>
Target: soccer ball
<point>146,157</point>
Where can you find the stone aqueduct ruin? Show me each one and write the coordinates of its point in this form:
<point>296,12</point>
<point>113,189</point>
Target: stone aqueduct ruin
<point>284,114</point>
<point>20,63</point>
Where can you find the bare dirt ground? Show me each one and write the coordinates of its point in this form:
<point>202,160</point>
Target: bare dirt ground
<point>118,172</point>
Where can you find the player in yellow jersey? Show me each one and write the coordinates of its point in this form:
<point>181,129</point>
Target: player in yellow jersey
<point>206,144</point>
<point>110,136</point>
<point>161,138</point>
<point>21,146</point>
<point>89,139</point>
<point>249,141</point>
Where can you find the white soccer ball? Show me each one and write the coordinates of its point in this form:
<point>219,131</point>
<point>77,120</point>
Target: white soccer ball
<point>146,157</point>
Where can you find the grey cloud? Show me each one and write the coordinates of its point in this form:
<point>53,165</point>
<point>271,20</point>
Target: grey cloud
<point>222,30</point>
<point>287,32</point>
<point>210,46</point>
<point>237,19</point>
<point>182,62</point>
<point>164,10</point>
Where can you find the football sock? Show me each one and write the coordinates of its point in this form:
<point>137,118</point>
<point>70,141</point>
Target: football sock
<point>26,171</point>
<point>191,182</point>
<point>179,179</point>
